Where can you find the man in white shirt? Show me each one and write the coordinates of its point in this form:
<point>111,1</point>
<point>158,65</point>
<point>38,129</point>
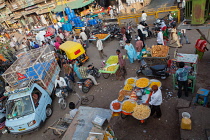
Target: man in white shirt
<point>84,37</point>
<point>159,37</point>
<point>143,16</point>
<point>156,101</point>
<point>60,81</point>
<point>100,47</point>
<point>142,28</point>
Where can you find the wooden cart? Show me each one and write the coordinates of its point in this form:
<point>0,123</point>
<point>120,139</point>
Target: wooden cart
<point>60,126</point>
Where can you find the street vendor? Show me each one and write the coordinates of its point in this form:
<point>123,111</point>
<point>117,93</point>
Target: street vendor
<point>156,101</point>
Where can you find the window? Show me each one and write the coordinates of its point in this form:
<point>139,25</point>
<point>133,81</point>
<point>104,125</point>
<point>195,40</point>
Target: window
<point>36,95</point>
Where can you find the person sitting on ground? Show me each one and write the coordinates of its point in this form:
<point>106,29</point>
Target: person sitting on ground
<point>73,110</point>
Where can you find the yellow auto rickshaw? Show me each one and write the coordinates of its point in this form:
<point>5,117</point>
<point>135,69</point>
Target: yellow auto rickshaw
<point>74,50</point>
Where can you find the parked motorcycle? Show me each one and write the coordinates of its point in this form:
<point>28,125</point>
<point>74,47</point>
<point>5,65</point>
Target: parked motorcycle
<point>158,71</point>
<point>85,84</point>
<point>94,71</point>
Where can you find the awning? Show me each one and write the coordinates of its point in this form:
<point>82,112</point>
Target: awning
<point>17,16</point>
<point>43,11</point>
<point>73,5</point>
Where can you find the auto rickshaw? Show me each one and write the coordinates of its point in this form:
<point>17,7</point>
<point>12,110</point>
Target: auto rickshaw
<point>74,50</point>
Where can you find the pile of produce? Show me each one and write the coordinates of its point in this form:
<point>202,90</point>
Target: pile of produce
<point>111,68</point>
<point>141,112</point>
<point>130,81</point>
<point>116,106</point>
<point>128,106</point>
<point>112,60</point>
<point>128,87</point>
<point>101,36</point>
<point>159,51</point>
<point>124,93</point>
<point>121,98</point>
<point>142,82</point>
<point>155,83</point>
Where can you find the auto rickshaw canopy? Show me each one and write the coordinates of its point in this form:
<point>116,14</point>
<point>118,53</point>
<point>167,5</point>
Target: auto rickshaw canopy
<point>72,49</point>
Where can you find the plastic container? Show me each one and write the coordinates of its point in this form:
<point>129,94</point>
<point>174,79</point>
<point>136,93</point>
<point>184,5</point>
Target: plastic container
<point>72,14</point>
<point>69,17</point>
<point>186,115</point>
<point>67,10</point>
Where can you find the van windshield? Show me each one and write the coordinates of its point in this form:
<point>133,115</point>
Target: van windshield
<point>19,107</point>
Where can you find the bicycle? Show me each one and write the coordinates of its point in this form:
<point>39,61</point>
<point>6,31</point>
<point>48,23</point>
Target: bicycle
<point>85,100</point>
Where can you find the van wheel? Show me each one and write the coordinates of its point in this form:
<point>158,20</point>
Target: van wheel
<point>49,111</point>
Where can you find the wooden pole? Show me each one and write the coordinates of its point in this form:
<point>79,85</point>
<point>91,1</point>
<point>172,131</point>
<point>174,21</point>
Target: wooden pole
<point>203,35</point>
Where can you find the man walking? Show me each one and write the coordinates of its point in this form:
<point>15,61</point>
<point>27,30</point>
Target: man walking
<point>139,46</point>
<point>100,47</point>
<point>184,36</point>
<point>121,62</point>
<point>84,37</point>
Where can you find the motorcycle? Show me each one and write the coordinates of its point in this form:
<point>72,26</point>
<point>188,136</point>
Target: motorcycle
<point>158,71</point>
<point>94,71</point>
<point>62,93</point>
<point>85,84</point>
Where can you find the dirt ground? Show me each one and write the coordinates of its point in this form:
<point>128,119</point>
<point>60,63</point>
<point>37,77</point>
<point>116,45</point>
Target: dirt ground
<point>167,127</point>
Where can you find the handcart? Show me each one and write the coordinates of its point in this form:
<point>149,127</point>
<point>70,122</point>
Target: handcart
<point>60,126</point>
<point>111,67</point>
<point>93,38</point>
<point>157,54</point>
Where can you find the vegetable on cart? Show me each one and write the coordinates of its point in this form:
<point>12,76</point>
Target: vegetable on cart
<point>102,37</point>
<point>111,66</point>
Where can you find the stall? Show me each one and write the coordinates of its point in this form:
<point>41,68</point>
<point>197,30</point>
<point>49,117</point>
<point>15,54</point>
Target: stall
<point>189,60</point>
<point>90,123</point>
<point>157,54</point>
<point>132,96</point>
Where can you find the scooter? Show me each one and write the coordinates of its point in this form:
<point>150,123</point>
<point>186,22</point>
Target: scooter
<point>94,71</point>
<point>62,93</point>
<point>158,71</point>
<point>85,84</point>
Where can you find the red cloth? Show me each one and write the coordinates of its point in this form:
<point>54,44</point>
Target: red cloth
<point>57,45</point>
<point>200,45</point>
<point>164,28</point>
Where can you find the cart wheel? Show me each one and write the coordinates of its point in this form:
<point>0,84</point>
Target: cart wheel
<point>87,100</point>
<point>55,132</point>
<point>85,89</point>
<point>123,116</point>
<point>106,75</point>
<point>63,104</point>
<point>49,111</point>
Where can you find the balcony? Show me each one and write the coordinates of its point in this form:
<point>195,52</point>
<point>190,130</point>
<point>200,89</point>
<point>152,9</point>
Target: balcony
<point>21,4</point>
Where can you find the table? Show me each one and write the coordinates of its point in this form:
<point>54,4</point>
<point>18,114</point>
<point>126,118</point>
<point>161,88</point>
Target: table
<point>82,123</point>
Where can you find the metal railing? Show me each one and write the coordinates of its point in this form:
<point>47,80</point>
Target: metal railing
<point>151,13</point>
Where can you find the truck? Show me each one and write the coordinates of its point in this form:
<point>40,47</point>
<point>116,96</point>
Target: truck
<point>31,79</point>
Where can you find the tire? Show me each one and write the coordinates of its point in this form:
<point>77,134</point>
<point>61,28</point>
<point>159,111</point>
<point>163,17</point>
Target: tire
<point>87,100</point>
<point>55,132</point>
<point>49,111</point>
<point>138,72</point>
<point>97,73</point>
<point>85,89</point>
<point>106,75</point>
<point>63,104</point>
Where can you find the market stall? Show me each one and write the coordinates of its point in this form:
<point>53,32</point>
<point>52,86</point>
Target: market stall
<point>90,123</point>
<point>190,60</point>
<point>132,96</point>
<point>157,54</point>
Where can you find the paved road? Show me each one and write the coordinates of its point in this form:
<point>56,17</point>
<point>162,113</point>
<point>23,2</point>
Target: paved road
<point>130,129</point>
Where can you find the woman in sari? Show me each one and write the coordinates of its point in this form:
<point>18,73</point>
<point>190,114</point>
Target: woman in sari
<point>174,39</point>
<point>130,51</point>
